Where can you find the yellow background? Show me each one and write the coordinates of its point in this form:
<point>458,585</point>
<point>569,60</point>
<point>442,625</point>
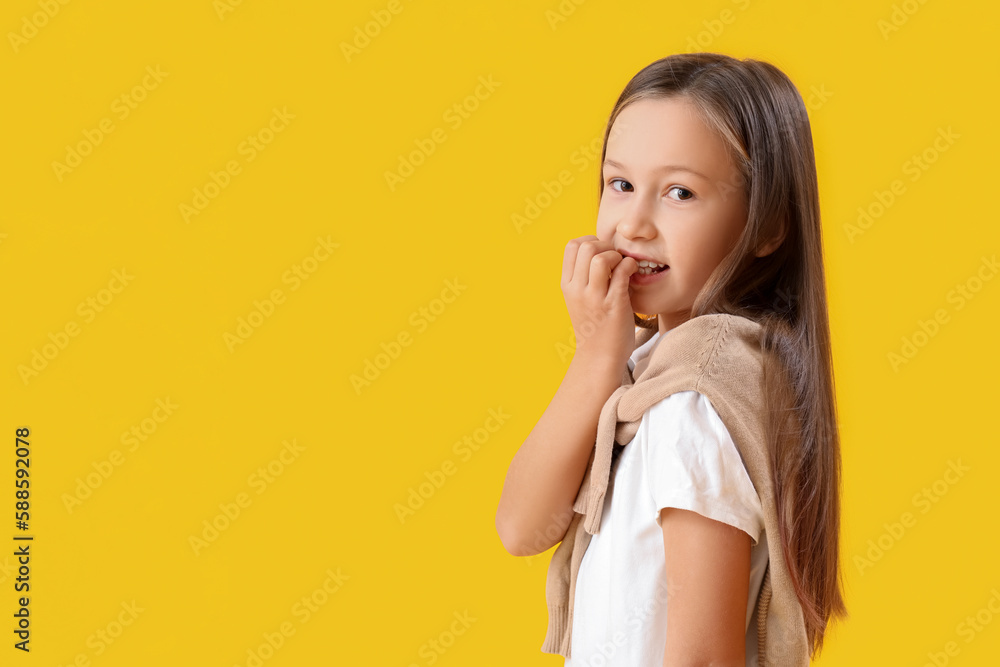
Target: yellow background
<point>497,343</point>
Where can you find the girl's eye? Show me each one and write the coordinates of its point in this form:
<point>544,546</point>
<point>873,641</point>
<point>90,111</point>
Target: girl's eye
<point>617,180</point>
<point>684,193</point>
<point>683,190</point>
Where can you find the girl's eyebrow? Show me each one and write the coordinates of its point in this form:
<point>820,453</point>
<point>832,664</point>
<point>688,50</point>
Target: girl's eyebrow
<point>665,167</point>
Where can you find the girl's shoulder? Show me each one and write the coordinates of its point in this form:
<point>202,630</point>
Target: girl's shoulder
<point>713,345</point>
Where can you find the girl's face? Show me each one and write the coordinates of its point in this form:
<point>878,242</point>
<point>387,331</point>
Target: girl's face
<point>673,195</point>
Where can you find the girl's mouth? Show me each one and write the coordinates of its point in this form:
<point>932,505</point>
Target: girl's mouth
<point>646,276</point>
<point>647,267</point>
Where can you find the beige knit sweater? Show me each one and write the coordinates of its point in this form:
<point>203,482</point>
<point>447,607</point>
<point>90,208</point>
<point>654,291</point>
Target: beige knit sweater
<point>719,356</point>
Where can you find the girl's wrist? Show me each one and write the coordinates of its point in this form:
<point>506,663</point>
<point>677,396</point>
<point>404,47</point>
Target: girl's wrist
<point>597,367</point>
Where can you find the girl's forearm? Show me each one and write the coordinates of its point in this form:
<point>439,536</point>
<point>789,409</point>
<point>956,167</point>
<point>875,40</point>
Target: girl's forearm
<point>544,477</point>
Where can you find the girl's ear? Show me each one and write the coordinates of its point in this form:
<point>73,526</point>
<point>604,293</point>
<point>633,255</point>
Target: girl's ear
<point>774,243</point>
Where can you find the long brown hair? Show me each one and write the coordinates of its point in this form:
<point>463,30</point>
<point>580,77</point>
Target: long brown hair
<point>760,114</point>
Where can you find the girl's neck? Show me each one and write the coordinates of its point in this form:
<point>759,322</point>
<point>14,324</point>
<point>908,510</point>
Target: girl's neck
<point>667,321</point>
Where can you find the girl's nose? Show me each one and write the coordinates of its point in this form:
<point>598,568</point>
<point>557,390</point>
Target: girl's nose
<point>637,220</point>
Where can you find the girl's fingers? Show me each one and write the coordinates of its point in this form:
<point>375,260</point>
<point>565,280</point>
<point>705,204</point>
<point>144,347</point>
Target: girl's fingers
<point>600,269</point>
<point>569,260</point>
<point>584,261</point>
<point>620,277</point>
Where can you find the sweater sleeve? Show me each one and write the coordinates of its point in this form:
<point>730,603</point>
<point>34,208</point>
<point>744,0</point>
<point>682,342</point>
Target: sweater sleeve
<point>693,464</point>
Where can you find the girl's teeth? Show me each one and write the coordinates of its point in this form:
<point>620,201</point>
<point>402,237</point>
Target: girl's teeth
<point>646,267</point>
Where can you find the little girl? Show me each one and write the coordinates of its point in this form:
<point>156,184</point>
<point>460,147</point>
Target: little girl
<point>708,532</point>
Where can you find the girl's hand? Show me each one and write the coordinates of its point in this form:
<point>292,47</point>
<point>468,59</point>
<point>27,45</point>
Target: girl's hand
<point>594,283</point>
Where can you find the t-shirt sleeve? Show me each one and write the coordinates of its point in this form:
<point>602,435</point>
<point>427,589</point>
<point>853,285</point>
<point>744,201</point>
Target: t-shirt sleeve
<point>693,464</point>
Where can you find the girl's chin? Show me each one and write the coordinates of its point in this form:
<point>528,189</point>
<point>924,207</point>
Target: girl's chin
<point>641,303</point>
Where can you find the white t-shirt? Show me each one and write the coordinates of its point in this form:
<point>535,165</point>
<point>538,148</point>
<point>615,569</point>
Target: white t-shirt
<point>682,456</point>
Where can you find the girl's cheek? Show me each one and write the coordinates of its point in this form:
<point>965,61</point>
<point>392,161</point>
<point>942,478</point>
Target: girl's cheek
<point>603,230</point>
